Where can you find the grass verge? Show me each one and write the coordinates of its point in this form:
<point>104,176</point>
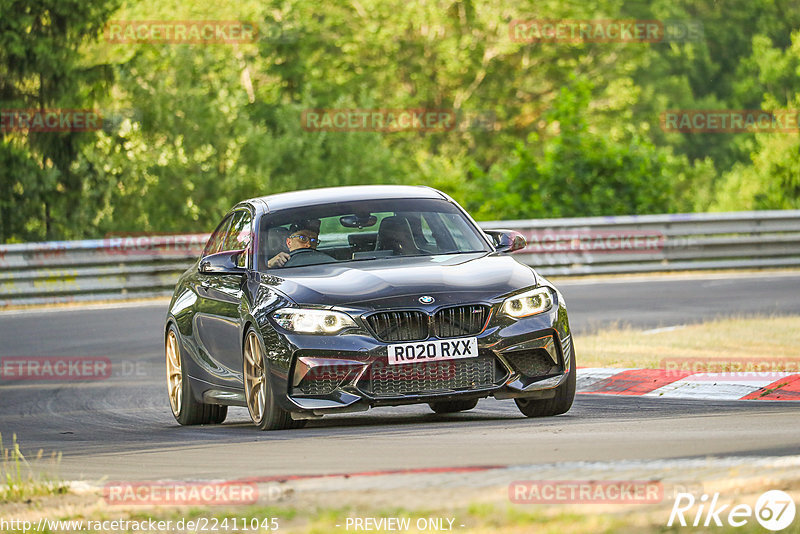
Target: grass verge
<point>766,338</point>
<point>468,518</point>
<point>18,483</point>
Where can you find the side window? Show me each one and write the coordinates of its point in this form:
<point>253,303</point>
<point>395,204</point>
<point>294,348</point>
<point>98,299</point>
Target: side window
<point>427,233</point>
<point>421,232</point>
<point>457,227</point>
<point>217,239</point>
<point>239,236</point>
<point>433,226</point>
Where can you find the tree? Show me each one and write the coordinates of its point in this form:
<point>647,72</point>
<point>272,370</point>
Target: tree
<point>772,181</point>
<point>577,172</point>
<point>41,68</point>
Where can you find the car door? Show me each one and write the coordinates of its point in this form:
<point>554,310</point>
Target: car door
<point>219,296</point>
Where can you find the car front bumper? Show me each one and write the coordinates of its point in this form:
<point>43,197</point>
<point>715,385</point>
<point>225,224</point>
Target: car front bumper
<point>315,375</point>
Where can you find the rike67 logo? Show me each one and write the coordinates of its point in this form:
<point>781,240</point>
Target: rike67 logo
<point>774,511</point>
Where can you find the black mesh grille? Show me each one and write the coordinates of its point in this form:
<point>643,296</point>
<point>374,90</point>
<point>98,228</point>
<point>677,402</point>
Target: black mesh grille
<point>399,325</point>
<point>322,382</point>
<point>460,320</point>
<point>432,377</point>
<point>530,362</point>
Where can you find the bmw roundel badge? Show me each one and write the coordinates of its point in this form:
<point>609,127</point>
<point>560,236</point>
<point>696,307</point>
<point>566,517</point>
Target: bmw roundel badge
<point>426,299</point>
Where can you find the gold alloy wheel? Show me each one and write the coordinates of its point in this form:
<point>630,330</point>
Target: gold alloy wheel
<point>254,379</point>
<point>174,376</point>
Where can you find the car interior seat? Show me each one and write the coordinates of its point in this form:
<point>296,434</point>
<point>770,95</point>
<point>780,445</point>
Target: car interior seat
<point>394,234</point>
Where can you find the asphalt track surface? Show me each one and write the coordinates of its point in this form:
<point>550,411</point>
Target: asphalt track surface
<point>121,427</point>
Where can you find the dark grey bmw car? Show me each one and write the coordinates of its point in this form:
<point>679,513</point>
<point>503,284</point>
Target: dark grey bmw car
<point>336,300</point>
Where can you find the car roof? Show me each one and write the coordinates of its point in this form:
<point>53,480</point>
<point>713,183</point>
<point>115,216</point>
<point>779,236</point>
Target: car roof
<point>327,195</point>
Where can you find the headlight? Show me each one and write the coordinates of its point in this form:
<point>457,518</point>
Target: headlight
<point>312,321</point>
<point>531,302</point>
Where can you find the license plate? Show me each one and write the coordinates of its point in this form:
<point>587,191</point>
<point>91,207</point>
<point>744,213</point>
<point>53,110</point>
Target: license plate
<point>431,351</point>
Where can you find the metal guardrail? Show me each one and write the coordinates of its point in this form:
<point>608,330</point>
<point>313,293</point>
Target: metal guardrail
<point>144,266</point>
<point>649,243</point>
<point>95,269</point>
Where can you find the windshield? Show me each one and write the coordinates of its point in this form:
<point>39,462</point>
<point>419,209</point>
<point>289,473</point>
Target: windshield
<point>364,230</point>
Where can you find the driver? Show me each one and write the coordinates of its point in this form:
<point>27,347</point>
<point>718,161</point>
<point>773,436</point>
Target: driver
<point>303,240</point>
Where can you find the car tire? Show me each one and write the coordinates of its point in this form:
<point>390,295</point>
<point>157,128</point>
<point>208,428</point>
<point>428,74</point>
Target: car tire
<point>453,406</point>
<point>560,403</point>
<point>186,409</point>
<point>264,409</point>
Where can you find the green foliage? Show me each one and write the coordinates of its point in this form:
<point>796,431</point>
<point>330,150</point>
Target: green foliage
<point>772,180</point>
<point>578,170</point>
<point>41,67</point>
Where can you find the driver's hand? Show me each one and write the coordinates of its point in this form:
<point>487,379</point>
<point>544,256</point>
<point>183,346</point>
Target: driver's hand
<point>279,260</point>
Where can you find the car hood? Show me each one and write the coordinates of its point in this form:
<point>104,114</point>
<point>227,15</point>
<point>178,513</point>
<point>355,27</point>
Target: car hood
<point>399,282</point>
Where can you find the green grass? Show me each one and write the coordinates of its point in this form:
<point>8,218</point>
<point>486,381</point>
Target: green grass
<point>771,339</point>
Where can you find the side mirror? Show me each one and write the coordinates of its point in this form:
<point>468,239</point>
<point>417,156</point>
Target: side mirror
<point>221,263</point>
<point>507,240</point>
